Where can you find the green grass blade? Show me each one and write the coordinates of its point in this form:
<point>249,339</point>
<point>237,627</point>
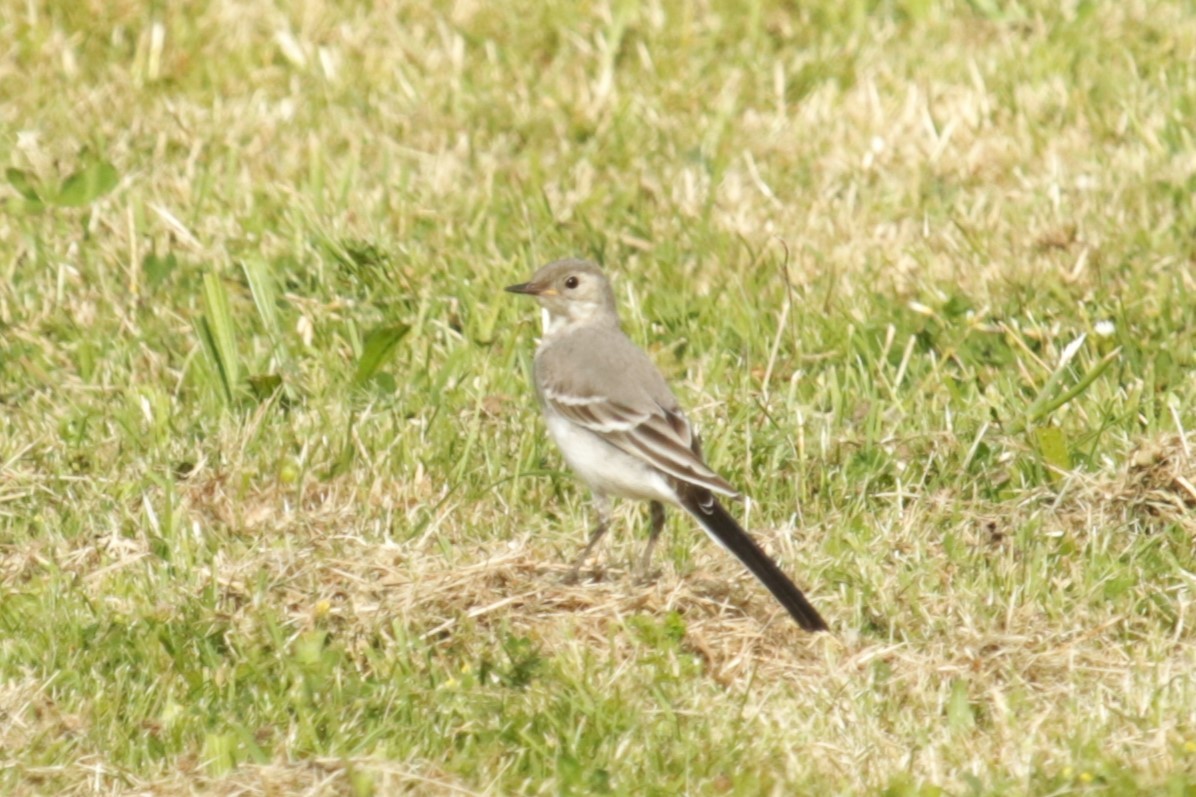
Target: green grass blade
<point>1050,398</point>
<point>220,334</point>
<point>265,298</point>
<point>1052,384</point>
<point>1083,384</point>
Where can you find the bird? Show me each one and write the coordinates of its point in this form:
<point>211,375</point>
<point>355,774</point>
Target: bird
<point>621,430</point>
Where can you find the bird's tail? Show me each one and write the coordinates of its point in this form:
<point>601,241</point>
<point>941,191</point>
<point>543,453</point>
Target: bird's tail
<point>719,524</point>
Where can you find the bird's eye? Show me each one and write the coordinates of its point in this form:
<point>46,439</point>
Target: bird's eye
<point>571,282</point>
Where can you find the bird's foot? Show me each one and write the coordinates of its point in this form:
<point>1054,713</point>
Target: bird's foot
<point>576,575</point>
<point>647,575</point>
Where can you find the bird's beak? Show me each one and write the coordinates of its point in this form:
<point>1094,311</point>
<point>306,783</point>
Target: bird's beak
<point>530,289</point>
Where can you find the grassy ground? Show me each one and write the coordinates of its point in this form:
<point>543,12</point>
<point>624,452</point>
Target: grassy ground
<point>277,512</point>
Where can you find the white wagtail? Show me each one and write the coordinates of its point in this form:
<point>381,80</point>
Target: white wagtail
<point>620,428</point>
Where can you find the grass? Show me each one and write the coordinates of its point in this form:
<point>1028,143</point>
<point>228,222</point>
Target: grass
<point>277,512</point>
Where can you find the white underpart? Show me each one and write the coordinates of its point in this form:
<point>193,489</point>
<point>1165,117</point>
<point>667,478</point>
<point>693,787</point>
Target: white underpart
<point>553,324</point>
<point>606,469</point>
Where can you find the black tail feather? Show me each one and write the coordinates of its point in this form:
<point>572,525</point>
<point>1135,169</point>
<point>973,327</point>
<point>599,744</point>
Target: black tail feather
<point>718,522</point>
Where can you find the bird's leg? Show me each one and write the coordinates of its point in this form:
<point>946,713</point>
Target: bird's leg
<point>602,508</point>
<point>657,511</point>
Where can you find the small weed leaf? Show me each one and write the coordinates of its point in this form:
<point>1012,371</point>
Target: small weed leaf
<point>960,716</point>
<point>219,752</point>
<point>378,347</point>
<point>309,647</point>
<point>87,184</point>
<point>1052,447</point>
<point>23,184</point>
<point>264,386</point>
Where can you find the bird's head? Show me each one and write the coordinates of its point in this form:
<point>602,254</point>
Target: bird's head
<point>571,292</point>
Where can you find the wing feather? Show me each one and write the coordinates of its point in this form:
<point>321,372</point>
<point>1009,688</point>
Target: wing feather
<point>635,411</point>
<point>662,438</point>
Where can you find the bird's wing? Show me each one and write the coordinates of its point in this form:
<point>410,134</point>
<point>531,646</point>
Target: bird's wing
<point>633,420</point>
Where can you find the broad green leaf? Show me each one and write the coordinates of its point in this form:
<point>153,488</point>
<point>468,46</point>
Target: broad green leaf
<point>220,752</point>
<point>263,386</point>
<point>13,205</point>
<point>23,184</point>
<point>87,185</point>
<point>378,347</point>
<point>1052,445</point>
<point>308,648</point>
<point>960,716</point>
